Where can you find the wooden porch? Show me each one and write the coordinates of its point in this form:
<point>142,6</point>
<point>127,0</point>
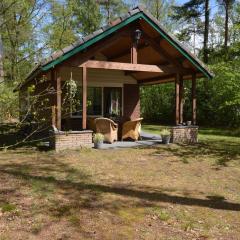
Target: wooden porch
<point>127,67</point>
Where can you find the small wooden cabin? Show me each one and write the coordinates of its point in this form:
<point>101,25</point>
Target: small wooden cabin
<point>108,67</point>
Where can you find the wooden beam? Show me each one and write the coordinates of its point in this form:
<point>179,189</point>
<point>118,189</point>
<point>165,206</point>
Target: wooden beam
<point>134,53</point>
<point>177,99</point>
<point>126,52</point>
<point>122,66</point>
<point>157,47</point>
<point>84,97</point>
<point>194,100</point>
<point>80,58</point>
<point>59,103</point>
<point>181,99</point>
<point>54,116</point>
<point>165,78</point>
<point>170,70</point>
<point>155,82</point>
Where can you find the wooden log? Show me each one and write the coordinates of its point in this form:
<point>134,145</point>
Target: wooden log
<point>134,53</point>
<point>181,100</point>
<point>84,98</point>
<point>177,99</point>
<point>194,100</point>
<point>54,116</point>
<point>59,103</point>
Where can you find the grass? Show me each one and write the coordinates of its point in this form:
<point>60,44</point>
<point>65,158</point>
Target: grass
<point>157,192</point>
<point>7,207</point>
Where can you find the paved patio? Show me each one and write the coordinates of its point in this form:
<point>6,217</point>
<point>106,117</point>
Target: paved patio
<point>148,139</point>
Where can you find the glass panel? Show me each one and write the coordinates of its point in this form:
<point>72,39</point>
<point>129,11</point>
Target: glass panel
<point>94,101</point>
<point>112,102</point>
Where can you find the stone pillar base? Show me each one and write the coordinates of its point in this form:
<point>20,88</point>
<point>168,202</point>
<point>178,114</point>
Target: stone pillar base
<point>184,134</point>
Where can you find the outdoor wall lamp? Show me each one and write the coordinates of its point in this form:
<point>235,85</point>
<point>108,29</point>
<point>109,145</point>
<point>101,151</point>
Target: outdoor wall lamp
<point>137,35</point>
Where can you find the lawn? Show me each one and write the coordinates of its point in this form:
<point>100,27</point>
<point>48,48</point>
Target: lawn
<point>160,192</point>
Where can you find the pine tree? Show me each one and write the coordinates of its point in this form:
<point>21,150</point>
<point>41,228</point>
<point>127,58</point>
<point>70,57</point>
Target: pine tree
<point>162,10</point>
<point>86,16</point>
<point>190,13</point>
<point>227,5</point>
<point>112,8</point>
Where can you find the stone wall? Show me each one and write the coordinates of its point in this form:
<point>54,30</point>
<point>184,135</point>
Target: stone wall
<point>71,140</point>
<point>184,134</point>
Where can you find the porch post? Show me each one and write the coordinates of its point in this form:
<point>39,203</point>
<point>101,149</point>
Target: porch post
<point>177,98</point>
<point>194,100</point>
<point>181,99</point>
<point>84,97</point>
<point>134,53</point>
<point>59,103</point>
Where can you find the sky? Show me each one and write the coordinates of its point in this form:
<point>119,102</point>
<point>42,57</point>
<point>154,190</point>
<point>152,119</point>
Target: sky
<point>212,4</point>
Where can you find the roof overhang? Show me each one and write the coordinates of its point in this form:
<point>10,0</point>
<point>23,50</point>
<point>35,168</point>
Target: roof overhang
<point>86,42</point>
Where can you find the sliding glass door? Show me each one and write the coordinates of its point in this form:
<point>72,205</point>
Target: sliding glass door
<point>112,102</point>
<point>101,101</point>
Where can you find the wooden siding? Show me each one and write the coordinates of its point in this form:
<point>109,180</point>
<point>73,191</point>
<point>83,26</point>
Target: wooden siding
<point>97,77</point>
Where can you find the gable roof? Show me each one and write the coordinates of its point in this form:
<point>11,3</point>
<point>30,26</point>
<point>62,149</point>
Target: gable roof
<point>137,13</point>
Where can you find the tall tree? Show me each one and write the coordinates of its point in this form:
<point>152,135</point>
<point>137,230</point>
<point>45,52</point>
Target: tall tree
<point>206,31</point>
<point>18,28</point>
<point>112,8</point>
<point>227,5</point>
<point>86,16</point>
<point>1,60</point>
<point>18,36</point>
<point>59,30</point>
<point>162,10</point>
<point>191,13</point>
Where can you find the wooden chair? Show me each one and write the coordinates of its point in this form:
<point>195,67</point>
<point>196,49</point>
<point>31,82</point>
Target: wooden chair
<point>108,128</point>
<point>131,129</point>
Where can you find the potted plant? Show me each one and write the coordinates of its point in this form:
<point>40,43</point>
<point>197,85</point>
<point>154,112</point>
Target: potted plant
<point>98,140</point>
<point>165,134</point>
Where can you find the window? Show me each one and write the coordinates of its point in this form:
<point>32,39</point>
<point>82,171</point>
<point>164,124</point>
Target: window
<point>94,101</point>
<point>112,101</point>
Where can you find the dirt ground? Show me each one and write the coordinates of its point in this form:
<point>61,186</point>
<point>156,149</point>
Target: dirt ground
<point>160,192</point>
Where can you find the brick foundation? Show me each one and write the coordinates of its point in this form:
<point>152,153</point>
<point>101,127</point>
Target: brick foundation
<point>71,140</point>
<point>184,134</point>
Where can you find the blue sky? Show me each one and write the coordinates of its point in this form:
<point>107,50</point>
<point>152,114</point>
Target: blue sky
<point>213,4</point>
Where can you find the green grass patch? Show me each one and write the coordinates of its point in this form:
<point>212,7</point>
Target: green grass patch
<point>42,188</point>
<point>161,213</point>
<point>74,220</point>
<point>8,207</point>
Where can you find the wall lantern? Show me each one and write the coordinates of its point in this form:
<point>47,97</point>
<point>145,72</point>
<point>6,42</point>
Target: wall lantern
<point>137,35</point>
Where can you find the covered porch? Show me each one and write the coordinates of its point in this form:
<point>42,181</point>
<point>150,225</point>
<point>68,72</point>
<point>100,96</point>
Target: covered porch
<point>110,65</point>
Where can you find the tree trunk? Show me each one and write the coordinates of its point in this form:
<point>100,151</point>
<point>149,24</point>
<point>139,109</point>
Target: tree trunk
<point>206,32</point>
<point>1,55</point>
<point>226,24</point>
<point>1,61</point>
